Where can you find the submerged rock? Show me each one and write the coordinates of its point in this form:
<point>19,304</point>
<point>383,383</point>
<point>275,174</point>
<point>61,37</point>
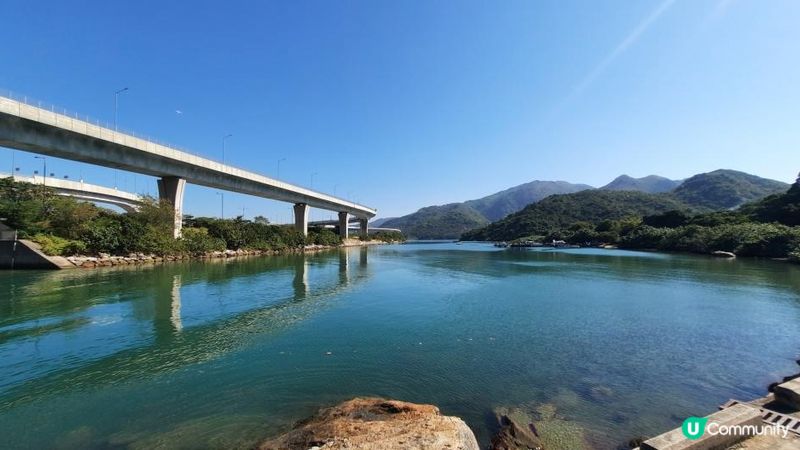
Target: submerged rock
<point>377,423</point>
<point>515,436</point>
<point>552,431</point>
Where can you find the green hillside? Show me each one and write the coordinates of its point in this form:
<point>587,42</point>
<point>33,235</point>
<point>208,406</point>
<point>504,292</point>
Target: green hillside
<point>726,189</point>
<point>438,222</point>
<point>651,184</point>
<point>561,211</point>
<point>783,208</point>
<point>451,220</point>
<point>501,204</point>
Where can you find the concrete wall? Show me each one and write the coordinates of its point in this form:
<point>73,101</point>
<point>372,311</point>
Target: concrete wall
<point>26,255</point>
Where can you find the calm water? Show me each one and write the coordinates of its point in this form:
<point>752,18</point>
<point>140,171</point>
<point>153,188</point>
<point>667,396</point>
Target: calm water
<point>611,344</point>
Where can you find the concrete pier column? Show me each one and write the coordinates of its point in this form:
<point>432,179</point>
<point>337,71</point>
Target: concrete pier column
<point>343,223</point>
<point>344,266</point>
<point>301,218</point>
<point>364,225</point>
<point>171,189</point>
<point>300,280</point>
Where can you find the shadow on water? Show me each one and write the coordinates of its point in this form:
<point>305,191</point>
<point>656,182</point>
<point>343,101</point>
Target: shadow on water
<point>273,293</point>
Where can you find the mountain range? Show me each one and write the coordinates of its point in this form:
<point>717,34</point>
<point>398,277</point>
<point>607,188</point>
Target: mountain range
<point>514,207</point>
<point>651,184</point>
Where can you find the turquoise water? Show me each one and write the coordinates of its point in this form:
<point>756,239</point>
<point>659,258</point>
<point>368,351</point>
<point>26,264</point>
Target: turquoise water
<point>220,354</point>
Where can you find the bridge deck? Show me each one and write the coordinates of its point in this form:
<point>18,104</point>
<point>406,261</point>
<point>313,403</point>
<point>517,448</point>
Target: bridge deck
<point>32,128</point>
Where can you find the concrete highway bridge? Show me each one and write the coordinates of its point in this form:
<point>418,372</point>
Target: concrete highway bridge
<point>84,191</point>
<point>336,224</point>
<point>39,130</point>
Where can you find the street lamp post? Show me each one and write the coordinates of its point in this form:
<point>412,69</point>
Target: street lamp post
<point>224,138</point>
<point>44,168</point>
<point>116,104</point>
<point>221,204</point>
<point>335,187</point>
<point>44,176</point>
<point>116,109</point>
<point>278,176</point>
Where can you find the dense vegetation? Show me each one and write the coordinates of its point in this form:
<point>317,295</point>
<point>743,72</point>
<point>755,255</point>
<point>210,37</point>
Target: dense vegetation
<point>720,189</point>
<point>767,228</point>
<point>388,236</point>
<point>503,203</point>
<point>449,221</point>
<point>726,189</point>
<point>64,226</point>
<point>558,212</point>
<point>438,222</point>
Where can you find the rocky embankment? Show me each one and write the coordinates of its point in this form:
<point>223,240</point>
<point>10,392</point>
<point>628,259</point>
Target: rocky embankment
<point>106,260</point>
<point>377,424</point>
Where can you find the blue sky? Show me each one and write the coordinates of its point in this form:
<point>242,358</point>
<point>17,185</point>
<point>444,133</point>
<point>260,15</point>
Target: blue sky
<point>400,105</point>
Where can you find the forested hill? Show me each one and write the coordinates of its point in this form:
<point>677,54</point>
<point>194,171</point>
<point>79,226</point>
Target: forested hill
<point>439,222</point>
<point>561,211</point>
<point>726,189</point>
<point>449,221</point>
<point>718,190</point>
<point>651,184</point>
<point>503,203</point>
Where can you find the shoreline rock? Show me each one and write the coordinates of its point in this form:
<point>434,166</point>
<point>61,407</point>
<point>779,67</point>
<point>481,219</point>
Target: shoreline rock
<point>376,424</point>
<point>515,436</point>
<point>106,260</point>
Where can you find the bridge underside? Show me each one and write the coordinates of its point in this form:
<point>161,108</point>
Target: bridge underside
<point>126,206</point>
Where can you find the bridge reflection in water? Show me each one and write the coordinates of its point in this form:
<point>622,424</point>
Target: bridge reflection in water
<point>94,322</point>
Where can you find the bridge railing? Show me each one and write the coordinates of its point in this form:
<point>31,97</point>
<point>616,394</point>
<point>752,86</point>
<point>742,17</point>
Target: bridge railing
<point>54,109</point>
<point>82,123</point>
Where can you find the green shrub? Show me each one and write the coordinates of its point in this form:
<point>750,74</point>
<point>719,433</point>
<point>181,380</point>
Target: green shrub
<point>197,241</point>
<point>389,236</point>
<point>104,234</point>
<point>323,236</point>
<point>57,246</point>
<point>647,237</point>
<point>243,234</point>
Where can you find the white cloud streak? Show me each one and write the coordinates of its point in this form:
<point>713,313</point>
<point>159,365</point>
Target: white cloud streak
<point>626,43</point>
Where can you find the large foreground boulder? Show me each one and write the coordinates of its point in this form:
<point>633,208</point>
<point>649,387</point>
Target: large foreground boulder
<point>377,424</point>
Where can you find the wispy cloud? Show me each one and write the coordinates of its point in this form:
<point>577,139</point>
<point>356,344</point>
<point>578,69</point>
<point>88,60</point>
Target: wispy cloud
<point>623,46</point>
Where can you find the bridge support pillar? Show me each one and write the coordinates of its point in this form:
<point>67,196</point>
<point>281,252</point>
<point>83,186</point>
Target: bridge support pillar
<point>364,225</point>
<point>171,189</point>
<point>343,223</point>
<point>301,218</point>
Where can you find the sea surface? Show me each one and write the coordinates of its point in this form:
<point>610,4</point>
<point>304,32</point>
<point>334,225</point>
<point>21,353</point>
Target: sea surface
<point>597,346</point>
